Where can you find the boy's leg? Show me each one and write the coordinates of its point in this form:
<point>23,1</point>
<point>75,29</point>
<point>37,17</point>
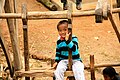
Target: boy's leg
<point>64,4</point>
<point>78,4</point>
<point>78,70</point>
<point>63,1</point>
<point>61,68</point>
<point>78,1</point>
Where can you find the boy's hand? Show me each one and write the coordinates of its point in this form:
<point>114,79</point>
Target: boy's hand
<point>55,65</point>
<point>67,36</point>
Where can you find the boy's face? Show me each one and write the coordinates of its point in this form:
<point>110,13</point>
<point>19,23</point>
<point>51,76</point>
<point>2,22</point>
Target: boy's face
<point>106,77</point>
<point>63,30</point>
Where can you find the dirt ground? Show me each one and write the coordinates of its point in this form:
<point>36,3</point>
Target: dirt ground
<point>94,38</point>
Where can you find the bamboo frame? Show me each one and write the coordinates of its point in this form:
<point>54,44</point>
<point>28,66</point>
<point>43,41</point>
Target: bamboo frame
<point>51,14</point>
<point>49,72</point>
<point>48,15</point>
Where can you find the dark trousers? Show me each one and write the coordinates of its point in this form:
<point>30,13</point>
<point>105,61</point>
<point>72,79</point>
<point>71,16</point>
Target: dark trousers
<point>77,1</point>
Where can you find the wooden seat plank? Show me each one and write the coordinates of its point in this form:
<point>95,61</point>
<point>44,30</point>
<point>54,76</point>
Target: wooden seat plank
<point>39,73</point>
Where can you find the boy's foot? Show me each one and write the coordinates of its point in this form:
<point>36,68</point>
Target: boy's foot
<point>64,6</point>
<point>78,6</point>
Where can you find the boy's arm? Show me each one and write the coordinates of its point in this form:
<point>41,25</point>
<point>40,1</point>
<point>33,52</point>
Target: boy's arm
<point>55,65</point>
<point>57,56</point>
<point>73,45</point>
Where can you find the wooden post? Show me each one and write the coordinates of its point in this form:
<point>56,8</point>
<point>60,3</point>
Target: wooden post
<point>1,70</point>
<point>15,20</point>
<point>70,38</point>
<point>105,9</point>
<point>99,12</point>
<point>7,54</point>
<point>92,69</point>
<point>17,64</point>
<point>16,29</point>
<point>114,27</point>
<point>2,2</point>
<point>118,6</point>
<point>25,35</point>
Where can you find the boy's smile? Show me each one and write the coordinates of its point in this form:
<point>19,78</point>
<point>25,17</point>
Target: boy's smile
<point>63,30</point>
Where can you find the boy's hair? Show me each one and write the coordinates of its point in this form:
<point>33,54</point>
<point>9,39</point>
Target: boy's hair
<point>110,71</point>
<point>61,22</point>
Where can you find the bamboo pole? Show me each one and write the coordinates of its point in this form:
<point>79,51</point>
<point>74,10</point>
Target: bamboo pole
<point>7,54</point>
<point>106,65</point>
<point>2,2</point>
<point>115,27</point>
<point>25,35</point>
<point>16,30</point>
<point>95,65</point>
<point>15,20</point>
<point>52,15</point>
<point>8,9</point>
<point>70,38</point>
<point>118,6</point>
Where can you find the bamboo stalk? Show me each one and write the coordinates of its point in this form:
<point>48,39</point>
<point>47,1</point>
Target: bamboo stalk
<point>7,54</point>
<point>8,9</point>
<point>52,15</point>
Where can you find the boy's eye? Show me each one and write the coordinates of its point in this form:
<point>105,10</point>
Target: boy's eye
<point>65,29</point>
<point>59,30</point>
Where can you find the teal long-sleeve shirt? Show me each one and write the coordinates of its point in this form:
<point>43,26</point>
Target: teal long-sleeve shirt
<point>62,49</point>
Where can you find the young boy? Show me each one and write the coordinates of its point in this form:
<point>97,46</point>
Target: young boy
<point>78,4</point>
<point>61,59</point>
<point>109,73</point>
